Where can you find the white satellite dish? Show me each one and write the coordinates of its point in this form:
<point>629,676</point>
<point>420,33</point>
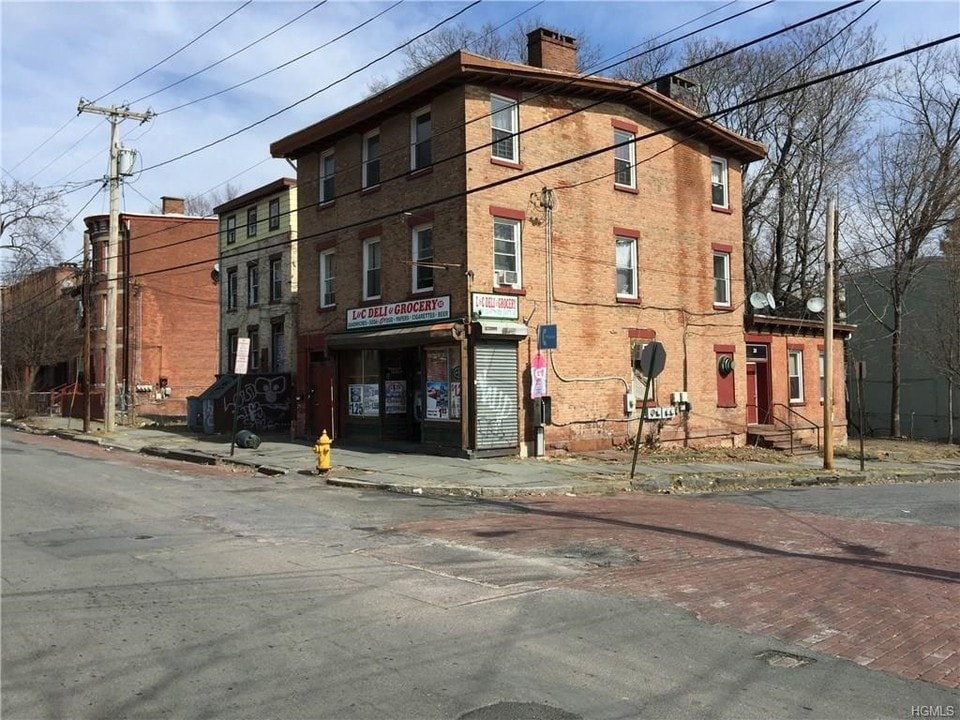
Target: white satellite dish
<point>770,302</point>
<point>816,304</point>
<point>758,301</point>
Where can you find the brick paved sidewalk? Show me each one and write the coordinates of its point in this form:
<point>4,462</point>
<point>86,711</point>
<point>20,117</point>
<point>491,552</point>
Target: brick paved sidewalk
<point>884,595</point>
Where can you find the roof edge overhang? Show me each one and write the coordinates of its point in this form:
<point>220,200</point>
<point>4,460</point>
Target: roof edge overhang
<point>794,326</point>
<point>269,189</point>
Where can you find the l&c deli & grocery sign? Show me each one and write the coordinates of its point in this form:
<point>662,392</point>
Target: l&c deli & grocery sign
<point>399,313</point>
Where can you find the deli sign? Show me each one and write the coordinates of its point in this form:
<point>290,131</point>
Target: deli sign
<point>486,306</point>
<point>399,313</point>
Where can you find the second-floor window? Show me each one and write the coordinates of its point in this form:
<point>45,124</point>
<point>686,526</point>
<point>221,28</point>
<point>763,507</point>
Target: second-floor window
<point>328,168</point>
<point>503,126</point>
<point>506,252</point>
<point>274,214</point>
<point>721,278</point>
<point>795,375</point>
<point>231,229</point>
<point>252,222</point>
<point>371,268</point>
<point>328,274</point>
<point>253,284</point>
<point>276,345</point>
<point>421,134</point>
<point>626,267</point>
<point>422,254</point>
<point>371,159</point>
<point>231,289</point>
<point>253,362</point>
<point>718,182</point>
<point>625,159</point>
<point>232,337</point>
<point>276,279</point>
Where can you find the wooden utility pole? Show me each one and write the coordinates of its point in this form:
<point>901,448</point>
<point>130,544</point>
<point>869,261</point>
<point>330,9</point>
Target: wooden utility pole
<point>828,340</point>
<point>115,114</point>
<point>87,312</point>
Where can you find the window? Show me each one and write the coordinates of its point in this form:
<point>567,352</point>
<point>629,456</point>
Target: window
<point>442,401</point>
<point>506,252</point>
<point>253,363</point>
<point>626,267</point>
<point>420,135</point>
<point>361,368</point>
<point>718,179</point>
<point>625,159</point>
<point>503,127</point>
<point>252,222</point>
<point>232,336</point>
<point>371,268</point>
<point>328,273</point>
<point>276,279</point>
<point>276,345</point>
<point>371,158</point>
<point>823,379</point>
<point>231,229</point>
<point>232,289</point>
<point>422,253</point>
<point>639,383</point>
<point>795,374</point>
<point>721,278</point>
<point>253,284</point>
<point>274,213</point>
<point>328,169</point>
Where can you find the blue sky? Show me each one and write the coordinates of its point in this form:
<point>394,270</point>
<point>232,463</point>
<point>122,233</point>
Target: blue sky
<point>54,53</point>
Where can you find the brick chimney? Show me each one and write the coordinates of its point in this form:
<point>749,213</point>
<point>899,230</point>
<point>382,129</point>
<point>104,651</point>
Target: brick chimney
<point>171,205</point>
<point>551,51</point>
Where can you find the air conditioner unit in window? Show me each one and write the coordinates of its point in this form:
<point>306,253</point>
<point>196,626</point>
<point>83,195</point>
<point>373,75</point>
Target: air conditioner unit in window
<point>505,277</point>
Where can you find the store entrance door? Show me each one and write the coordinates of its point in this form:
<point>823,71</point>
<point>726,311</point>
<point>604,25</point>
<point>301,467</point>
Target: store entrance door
<point>321,398</point>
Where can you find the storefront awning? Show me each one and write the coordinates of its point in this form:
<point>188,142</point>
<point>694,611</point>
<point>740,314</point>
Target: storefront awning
<point>393,337</point>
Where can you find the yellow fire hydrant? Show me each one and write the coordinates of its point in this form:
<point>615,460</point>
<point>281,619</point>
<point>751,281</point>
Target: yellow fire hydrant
<point>322,451</point>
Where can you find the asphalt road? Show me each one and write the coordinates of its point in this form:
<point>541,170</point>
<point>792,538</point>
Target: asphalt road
<point>135,588</point>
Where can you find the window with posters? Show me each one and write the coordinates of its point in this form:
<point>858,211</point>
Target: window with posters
<point>443,384</point>
<point>362,371</point>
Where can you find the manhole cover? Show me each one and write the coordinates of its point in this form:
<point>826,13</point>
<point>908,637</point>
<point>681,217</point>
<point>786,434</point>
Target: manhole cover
<point>780,659</point>
<point>519,711</point>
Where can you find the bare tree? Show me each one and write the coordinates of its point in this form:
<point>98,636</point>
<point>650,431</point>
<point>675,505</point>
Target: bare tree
<point>31,221</point>
<point>909,187</point>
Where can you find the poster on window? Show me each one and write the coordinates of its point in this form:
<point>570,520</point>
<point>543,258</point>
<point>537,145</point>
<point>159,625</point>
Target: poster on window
<point>395,397</point>
<point>355,407</point>
<point>438,400</point>
<point>455,400</point>
<point>371,400</point>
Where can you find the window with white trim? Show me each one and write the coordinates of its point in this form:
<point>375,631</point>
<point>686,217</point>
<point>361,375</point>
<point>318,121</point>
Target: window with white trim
<point>625,159</point>
<point>504,123</point>
<point>328,170</point>
<point>276,345</point>
<point>795,374</point>
<point>276,279</point>
<point>626,267</point>
<point>371,159</point>
<point>328,273</point>
<point>718,181</point>
<point>253,361</point>
<point>421,134</point>
<point>506,252</point>
<point>231,229</point>
<point>232,337</point>
<point>371,268</point>
<point>422,241</point>
<point>231,288</point>
<point>721,278</point>
<point>253,284</point>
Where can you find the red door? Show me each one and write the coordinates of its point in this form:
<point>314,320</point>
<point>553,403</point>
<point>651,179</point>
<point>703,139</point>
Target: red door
<point>751,393</point>
<point>322,399</point>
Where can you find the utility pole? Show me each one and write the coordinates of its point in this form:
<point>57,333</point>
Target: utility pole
<point>828,339</point>
<point>115,114</point>
<point>87,320</point>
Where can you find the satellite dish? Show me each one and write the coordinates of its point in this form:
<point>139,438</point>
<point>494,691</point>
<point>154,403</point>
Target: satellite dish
<point>215,273</point>
<point>770,301</point>
<point>758,300</point>
<point>815,304</point>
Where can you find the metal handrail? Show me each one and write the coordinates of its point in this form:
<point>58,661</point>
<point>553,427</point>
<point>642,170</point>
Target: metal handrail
<point>774,419</point>
<point>799,415</point>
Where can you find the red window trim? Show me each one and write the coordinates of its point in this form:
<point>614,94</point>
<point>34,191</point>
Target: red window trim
<point>641,333</point>
<point>625,125</point>
<point>372,231</point>
<point>506,163</point>
<point>325,245</point>
<point>724,348</point>
<point>626,232</point>
<point>508,213</point>
<point>721,247</point>
<point>422,217</point>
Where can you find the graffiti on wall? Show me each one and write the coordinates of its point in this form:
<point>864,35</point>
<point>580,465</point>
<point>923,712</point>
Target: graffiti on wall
<point>263,403</point>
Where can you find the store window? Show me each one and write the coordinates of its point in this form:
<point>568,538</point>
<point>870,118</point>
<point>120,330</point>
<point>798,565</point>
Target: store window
<point>443,391</point>
<point>362,372</point>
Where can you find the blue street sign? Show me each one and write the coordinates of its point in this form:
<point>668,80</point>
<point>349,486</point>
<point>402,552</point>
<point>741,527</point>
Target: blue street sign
<point>547,337</point>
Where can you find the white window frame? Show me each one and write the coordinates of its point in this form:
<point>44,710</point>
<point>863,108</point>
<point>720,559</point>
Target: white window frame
<point>721,280</point>
<point>277,345</point>
<point>795,374</point>
<point>232,287</point>
<point>625,154</point>
<point>253,361</point>
<point>501,276</point>
<point>368,161</point>
<point>631,243</point>
<point>421,274</point>
<point>369,268</point>
<point>325,194</point>
<point>505,119</point>
<point>414,117</point>
<point>719,178</point>
<point>276,279</point>
<point>231,229</point>
<point>253,284</point>
<point>328,275</point>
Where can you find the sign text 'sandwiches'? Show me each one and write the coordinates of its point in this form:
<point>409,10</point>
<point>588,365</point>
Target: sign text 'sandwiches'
<point>400,313</point>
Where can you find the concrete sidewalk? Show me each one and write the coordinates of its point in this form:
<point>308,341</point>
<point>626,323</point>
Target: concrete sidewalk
<point>430,474</point>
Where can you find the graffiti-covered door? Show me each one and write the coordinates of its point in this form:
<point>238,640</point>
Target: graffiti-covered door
<point>321,398</point>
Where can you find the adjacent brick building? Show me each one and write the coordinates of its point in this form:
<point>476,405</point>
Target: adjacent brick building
<point>167,311</point>
<point>484,233</point>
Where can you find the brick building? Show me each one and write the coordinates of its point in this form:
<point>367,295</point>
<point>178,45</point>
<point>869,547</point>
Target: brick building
<point>167,311</point>
<point>483,233</point>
